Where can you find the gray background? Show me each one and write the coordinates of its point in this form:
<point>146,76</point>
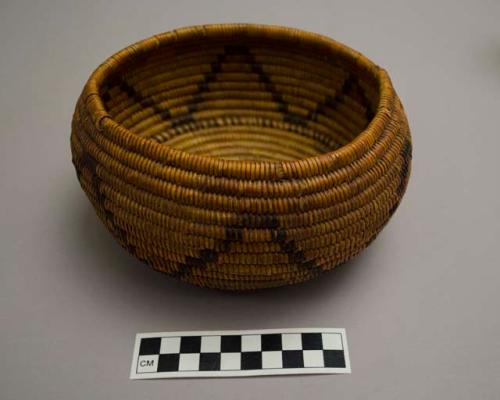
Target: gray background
<point>420,305</point>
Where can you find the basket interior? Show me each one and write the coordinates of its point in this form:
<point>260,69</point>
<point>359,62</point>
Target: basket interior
<point>243,99</point>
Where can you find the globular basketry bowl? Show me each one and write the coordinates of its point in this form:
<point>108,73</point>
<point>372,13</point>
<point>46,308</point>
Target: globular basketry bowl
<point>241,156</point>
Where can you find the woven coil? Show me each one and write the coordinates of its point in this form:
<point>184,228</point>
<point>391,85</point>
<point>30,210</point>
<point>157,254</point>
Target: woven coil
<point>241,156</point>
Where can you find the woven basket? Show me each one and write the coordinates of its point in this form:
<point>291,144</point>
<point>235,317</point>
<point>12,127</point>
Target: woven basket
<point>241,156</point>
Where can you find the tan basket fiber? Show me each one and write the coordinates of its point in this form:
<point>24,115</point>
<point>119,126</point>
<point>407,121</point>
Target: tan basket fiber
<point>241,156</point>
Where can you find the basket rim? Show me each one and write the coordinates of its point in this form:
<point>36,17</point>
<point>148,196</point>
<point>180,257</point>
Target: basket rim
<point>267,169</point>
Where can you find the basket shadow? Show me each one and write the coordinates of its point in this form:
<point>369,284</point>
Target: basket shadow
<point>157,298</point>
<point>488,57</point>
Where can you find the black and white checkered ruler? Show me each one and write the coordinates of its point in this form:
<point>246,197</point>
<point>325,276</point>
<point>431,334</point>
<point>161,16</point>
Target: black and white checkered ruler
<point>240,353</point>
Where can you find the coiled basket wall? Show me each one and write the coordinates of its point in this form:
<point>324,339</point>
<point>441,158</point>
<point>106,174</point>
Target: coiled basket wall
<point>241,156</point>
